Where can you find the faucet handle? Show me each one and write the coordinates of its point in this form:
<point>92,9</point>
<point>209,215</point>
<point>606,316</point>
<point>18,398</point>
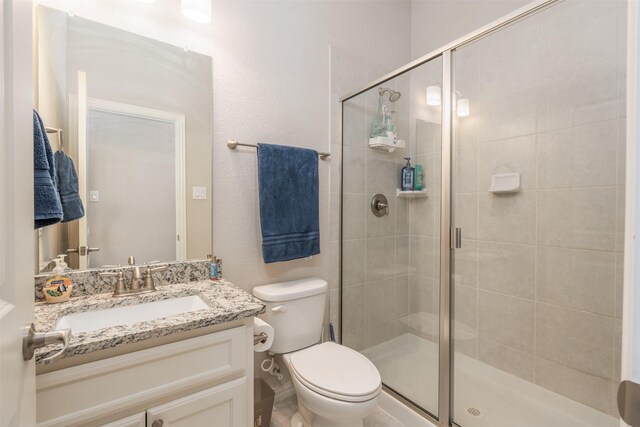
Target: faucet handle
<point>119,288</point>
<point>148,276</point>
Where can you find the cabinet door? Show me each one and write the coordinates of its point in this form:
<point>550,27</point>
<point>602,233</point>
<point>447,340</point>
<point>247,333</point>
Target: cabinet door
<point>221,406</point>
<point>137,420</point>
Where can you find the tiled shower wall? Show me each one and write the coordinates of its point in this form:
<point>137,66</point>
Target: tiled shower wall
<point>538,283</point>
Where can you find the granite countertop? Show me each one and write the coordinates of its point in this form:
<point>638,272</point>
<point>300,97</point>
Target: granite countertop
<point>227,302</point>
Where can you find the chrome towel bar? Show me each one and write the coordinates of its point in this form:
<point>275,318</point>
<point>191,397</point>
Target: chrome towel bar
<point>232,143</point>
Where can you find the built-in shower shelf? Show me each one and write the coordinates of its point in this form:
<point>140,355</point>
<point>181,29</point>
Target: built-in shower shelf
<point>411,194</point>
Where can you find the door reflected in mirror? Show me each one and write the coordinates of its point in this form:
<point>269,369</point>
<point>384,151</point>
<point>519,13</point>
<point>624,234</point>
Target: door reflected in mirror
<point>136,117</point>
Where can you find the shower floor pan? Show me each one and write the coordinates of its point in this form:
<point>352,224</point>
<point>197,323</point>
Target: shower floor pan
<point>484,396</point>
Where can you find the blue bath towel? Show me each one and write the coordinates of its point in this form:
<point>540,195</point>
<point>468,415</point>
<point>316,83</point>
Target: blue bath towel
<point>48,209</point>
<point>67,182</point>
<point>289,212</point>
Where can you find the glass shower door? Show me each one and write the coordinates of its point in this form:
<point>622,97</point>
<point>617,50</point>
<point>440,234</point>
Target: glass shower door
<point>390,262</point>
<point>538,175</point>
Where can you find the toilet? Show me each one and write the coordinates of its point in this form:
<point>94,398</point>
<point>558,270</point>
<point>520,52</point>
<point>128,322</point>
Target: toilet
<point>335,385</point>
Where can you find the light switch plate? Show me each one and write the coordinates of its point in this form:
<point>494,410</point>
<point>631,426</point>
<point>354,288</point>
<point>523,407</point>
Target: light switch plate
<point>199,193</point>
<point>94,196</point>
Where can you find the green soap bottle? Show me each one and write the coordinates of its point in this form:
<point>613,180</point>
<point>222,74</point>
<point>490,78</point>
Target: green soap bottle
<point>418,178</point>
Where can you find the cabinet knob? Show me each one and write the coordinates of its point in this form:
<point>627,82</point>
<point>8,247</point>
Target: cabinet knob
<point>157,423</point>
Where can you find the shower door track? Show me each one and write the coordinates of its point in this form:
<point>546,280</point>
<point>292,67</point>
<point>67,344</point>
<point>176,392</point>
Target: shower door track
<point>445,369</point>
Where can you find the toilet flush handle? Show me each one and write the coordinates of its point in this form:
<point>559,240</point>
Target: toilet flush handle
<point>279,308</point>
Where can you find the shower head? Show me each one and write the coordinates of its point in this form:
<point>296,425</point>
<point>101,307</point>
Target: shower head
<point>393,95</point>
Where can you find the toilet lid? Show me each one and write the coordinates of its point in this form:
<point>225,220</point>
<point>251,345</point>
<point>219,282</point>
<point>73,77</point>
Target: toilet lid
<point>337,370</point>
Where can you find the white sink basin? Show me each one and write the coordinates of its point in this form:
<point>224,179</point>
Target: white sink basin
<point>117,316</point>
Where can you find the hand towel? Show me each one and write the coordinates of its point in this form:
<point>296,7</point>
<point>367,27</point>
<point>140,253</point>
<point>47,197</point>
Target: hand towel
<point>67,183</point>
<point>289,212</point>
<point>48,209</point>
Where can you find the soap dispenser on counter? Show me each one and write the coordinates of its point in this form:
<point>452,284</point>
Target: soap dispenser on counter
<point>59,286</point>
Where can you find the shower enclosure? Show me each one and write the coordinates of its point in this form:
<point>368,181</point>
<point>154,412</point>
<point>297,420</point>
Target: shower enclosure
<point>492,296</point>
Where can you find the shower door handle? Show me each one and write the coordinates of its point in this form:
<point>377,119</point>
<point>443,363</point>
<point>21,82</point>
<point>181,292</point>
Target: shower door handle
<point>456,238</point>
<point>629,402</point>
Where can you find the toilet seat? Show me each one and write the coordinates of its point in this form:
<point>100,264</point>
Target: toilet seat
<point>337,372</point>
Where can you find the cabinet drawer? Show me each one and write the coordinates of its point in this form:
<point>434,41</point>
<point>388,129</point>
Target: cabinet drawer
<point>91,391</point>
<point>222,406</point>
<point>137,420</point>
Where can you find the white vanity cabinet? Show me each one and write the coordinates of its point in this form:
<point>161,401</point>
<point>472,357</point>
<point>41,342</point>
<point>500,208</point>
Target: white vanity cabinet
<point>202,381</point>
<point>137,420</point>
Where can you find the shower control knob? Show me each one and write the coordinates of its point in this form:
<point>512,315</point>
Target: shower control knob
<point>380,205</point>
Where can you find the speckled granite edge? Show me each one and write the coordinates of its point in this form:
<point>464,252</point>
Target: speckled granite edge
<point>226,301</point>
<point>89,282</point>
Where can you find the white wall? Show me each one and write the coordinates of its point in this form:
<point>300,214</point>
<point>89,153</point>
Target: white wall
<point>271,84</point>
<point>435,23</point>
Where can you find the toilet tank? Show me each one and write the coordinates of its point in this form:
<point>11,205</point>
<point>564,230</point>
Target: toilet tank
<point>295,310</point>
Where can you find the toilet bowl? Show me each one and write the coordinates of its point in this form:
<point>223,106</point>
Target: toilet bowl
<point>335,385</point>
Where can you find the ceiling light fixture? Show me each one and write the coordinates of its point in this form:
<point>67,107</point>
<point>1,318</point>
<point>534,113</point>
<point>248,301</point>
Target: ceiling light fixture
<point>197,10</point>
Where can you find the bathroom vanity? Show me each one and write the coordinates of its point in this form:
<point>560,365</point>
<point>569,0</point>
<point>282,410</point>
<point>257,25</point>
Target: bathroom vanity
<point>185,369</point>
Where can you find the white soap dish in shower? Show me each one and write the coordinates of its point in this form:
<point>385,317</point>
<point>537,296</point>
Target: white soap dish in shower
<point>505,183</point>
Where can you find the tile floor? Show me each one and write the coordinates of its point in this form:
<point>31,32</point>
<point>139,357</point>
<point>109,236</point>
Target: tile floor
<point>284,410</point>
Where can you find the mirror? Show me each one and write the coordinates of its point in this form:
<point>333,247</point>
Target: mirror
<point>136,117</point>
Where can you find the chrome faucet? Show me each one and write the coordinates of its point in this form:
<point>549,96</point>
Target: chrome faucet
<point>136,276</point>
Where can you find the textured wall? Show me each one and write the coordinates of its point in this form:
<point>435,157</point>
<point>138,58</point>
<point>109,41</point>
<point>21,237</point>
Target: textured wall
<point>271,84</point>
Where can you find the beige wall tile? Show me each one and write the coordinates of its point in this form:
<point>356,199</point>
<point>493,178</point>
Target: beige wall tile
<point>508,218</point>
<point>466,264</point>
<point>466,214</point>
<point>424,215</point>
<point>383,176</point>
<point>578,157</point>
<point>422,295</point>
<point>355,172</point>
<point>422,256</point>
<point>465,312</point>
<point>581,94</point>
<point>353,313</point>
<point>466,170</point>
<point>402,296</point>
<point>353,262</point>
<point>380,258</point>
<point>581,218</point>
<point>355,132</point>
<point>402,256</point>
<point>506,320</point>
<point>402,216</point>
<point>566,41</point>
<point>380,301</point>
<point>584,388</point>
<point>356,340</point>
<point>353,212</point>
<point>507,268</point>
<point>576,339</point>
<point>506,359</point>
<point>575,278</point>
